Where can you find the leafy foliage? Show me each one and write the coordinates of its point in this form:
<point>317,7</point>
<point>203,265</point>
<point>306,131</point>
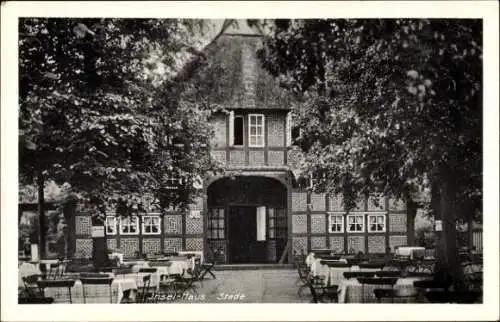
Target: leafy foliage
<point>390,106</point>
<point>97,110</point>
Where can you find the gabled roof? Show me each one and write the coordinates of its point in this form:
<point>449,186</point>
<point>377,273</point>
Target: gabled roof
<point>228,73</point>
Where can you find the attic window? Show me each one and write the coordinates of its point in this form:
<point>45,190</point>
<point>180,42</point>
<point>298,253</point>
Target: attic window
<point>238,130</point>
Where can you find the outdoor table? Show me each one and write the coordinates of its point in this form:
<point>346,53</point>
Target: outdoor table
<point>94,293</point>
<point>196,253</point>
<point>351,290</point>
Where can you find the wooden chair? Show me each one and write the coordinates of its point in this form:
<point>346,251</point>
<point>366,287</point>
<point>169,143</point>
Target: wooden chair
<point>188,282</point>
<point>43,284</point>
<point>97,281</point>
<point>207,267</point>
<point>303,278</point>
<point>143,292</point>
<point>319,291</point>
<point>32,293</point>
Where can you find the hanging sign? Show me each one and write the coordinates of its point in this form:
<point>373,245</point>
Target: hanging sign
<point>97,231</point>
<point>438,225</point>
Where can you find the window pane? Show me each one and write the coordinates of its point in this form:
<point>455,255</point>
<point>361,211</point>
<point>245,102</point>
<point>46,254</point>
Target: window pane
<point>253,130</point>
<point>221,223</point>
<point>253,140</point>
<point>380,219</point>
<point>155,229</point>
<point>350,219</point>
<point>147,221</point>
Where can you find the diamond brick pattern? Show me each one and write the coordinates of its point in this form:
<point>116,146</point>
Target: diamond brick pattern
<point>335,203</point>
<point>172,244</point>
<point>172,224</point>
<point>376,244</point>
<point>151,245</point>
<point>299,224</point>
<point>194,225</point>
<point>219,127</point>
<point>299,201</point>
<point>219,156</point>
<point>129,246</point>
<point>83,225</point>
<point>397,223</point>
<point>318,223</point>
<point>194,243</point>
<point>396,205</point>
<point>376,203</point>
<point>318,201</point>
<point>275,128</point>
<point>395,241</point>
<point>356,244</point>
<point>112,244</point>
<point>83,248</point>
<point>276,158</point>
<point>337,244</point>
<point>318,242</point>
<point>237,157</point>
<point>271,251</point>
<point>256,158</point>
<point>299,245</point>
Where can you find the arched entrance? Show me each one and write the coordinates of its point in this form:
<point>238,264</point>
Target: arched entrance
<point>247,217</point>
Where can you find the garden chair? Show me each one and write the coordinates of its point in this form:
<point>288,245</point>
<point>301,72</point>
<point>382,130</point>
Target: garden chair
<point>319,291</point>
<point>207,267</point>
<point>97,281</point>
<point>303,279</point>
<point>32,294</point>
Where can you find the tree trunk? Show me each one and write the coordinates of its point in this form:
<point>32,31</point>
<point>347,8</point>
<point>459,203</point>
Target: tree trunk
<point>41,215</point>
<point>411,210</point>
<point>446,239</point>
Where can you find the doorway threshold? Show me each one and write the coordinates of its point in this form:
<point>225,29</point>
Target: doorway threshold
<point>249,266</point>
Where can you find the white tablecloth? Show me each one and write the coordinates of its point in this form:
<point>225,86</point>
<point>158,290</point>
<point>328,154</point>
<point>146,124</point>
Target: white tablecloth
<point>351,291</point>
<point>94,293</point>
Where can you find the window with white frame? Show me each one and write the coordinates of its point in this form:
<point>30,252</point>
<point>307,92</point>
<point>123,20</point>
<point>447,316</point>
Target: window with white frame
<point>336,223</point>
<point>356,223</point>
<point>255,130</point>
<point>151,225</point>
<point>376,223</point>
<point>111,225</point>
<point>129,225</point>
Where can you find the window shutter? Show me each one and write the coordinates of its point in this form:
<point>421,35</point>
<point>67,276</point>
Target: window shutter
<point>261,223</point>
<point>288,127</point>
<point>231,128</point>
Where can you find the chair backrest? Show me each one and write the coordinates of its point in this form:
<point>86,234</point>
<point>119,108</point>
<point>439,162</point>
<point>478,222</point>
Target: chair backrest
<point>388,273</point>
<point>351,274</point>
<point>146,282</point>
<point>93,275</point>
<point>378,281</point>
<point>122,270</point>
<point>55,283</point>
<point>96,280</point>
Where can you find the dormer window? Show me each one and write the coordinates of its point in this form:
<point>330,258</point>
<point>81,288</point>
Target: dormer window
<point>255,130</point>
